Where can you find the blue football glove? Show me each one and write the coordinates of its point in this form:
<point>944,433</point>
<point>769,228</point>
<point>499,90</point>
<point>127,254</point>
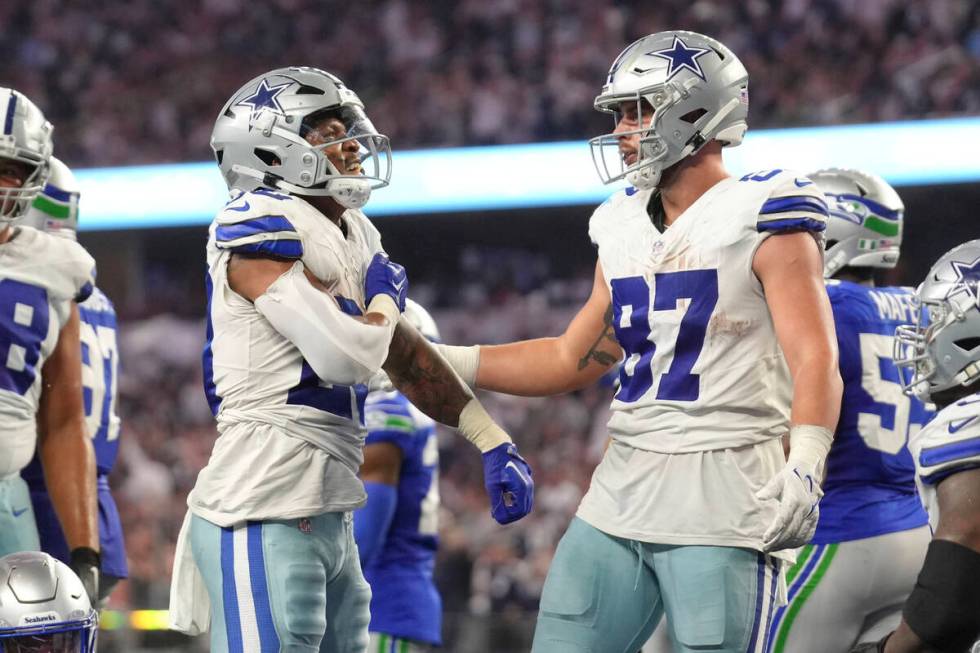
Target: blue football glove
<point>385,276</point>
<point>507,478</point>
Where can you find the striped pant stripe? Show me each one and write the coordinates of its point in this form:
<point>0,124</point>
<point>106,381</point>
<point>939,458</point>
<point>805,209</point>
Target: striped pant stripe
<point>247,607</point>
<point>814,566</point>
<point>765,599</point>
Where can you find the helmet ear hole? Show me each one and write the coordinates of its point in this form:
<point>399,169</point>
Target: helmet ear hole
<point>267,157</point>
<point>967,344</point>
<point>692,117</point>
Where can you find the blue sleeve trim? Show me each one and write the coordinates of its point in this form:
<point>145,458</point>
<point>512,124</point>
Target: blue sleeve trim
<point>945,453</point>
<point>936,477</point>
<point>792,224</point>
<point>372,522</point>
<point>253,226</point>
<point>807,203</point>
<point>347,305</point>
<point>84,292</point>
<point>278,248</point>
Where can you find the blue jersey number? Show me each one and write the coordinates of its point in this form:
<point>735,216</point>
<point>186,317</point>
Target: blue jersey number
<point>24,323</point>
<point>631,299</point>
<point>341,400</point>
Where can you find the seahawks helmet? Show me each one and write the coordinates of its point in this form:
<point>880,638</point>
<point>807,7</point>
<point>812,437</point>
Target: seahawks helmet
<point>259,137</point>
<point>698,90</point>
<point>941,349</point>
<point>866,217</point>
<point>55,209</point>
<point>43,607</point>
<point>26,138</point>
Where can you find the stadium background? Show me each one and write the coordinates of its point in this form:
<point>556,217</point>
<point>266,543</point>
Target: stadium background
<point>141,82</point>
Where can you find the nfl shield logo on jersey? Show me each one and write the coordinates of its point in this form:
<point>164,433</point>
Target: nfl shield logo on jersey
<point>305,526</point>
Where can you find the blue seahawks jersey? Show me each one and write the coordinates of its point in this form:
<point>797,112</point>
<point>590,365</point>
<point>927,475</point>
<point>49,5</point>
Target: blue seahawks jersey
<point>100,367</point>
<point>870,484</point>
<point>404,600</point>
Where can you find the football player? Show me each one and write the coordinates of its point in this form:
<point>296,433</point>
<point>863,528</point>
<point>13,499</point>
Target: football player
<point>941,353</point>
<point>712,289</point>
<point>41,279</point>
<point>851,581</point>
<point>397,530</point>
<point>55,210</point>
<point>303,310</point>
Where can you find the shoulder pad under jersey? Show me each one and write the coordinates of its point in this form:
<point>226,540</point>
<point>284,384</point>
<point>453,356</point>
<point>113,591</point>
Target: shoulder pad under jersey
<point>258,222</point>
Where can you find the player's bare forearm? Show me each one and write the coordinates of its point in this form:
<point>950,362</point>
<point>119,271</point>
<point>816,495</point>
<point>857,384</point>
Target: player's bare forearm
<point>64,447</point>
<point>548,366</point>
<point>424,376</point>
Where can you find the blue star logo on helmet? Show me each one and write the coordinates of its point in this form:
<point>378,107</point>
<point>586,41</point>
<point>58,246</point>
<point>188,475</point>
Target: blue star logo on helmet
<point>968,276</point>
<point>682,57</point>
<point>264,98</point>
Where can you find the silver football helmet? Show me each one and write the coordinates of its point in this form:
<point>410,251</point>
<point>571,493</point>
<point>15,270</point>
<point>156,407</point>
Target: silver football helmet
<point>866,219</point>
<point>25,138</point>
<point>419,318</point>
<point>43,607</point>
<point>259,138</point>
<point>55,209</point>
<point>698,90</point>
<point>941,349</point>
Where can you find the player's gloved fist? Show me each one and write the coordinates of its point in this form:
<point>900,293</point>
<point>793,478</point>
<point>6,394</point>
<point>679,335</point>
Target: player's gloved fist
<point>86,562</point>
<point>796,489</point>
<point>508,480</point>
<point>387,277</point>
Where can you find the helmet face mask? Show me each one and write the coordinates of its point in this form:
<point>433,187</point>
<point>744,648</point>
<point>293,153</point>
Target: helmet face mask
<point>698,90</point>
<point>44,607</point>
<point>260,138</point>
<point>866,220</point>
<point>940,350</point>
<point>25,137</point>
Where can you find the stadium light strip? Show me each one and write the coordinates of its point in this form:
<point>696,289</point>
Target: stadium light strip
<point>550,174</point>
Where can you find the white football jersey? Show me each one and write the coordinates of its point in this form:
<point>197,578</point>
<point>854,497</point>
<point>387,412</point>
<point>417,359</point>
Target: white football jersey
<point>256,379</point>
<point>40,275</point>
<point>948,444</point>
<point>703,368</point>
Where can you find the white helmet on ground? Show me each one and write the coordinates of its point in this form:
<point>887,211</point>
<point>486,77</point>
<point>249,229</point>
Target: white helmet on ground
<point>44,607</point>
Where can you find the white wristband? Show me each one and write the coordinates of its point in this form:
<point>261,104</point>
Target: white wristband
<point>809,445</point>
<point>476,425</point>
<point>465,360</point>
<point>384,304</point>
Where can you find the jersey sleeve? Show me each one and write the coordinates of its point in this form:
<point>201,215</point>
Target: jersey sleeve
<point>260,226</point>
<point>388,418</point>
<point>951,442</point>
<point>78,269</point>
<point>794,204</point>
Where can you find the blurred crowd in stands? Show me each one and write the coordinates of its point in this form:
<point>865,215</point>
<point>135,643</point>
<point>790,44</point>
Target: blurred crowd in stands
<point>142,81</point>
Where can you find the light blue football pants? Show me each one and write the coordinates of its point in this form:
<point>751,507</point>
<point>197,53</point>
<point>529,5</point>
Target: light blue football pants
<point>18,530</point>
<point>606,594</point>
<point>293,585</point>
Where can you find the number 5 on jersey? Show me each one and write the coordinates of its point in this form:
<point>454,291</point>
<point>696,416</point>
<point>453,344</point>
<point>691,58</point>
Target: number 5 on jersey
<point>631,319</point>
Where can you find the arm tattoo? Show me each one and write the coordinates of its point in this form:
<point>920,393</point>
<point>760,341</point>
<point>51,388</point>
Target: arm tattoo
<point>594,354</point>
<point>421,373</point>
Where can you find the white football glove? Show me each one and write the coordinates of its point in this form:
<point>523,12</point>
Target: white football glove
<point>797,489</point>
